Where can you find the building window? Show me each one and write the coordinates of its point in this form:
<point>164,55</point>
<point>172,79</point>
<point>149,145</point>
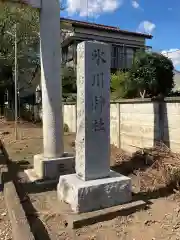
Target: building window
<point>122,57</point>
<point>117,57</point>
<point>64,54</point>
<point>129,57</point>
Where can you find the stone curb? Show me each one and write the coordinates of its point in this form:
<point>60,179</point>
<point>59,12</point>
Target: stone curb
<point>20,226</point>
<point>79,220</point>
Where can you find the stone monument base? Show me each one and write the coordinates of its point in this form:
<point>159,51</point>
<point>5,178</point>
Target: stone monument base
<point>51,169</point>
<point>87,196</point>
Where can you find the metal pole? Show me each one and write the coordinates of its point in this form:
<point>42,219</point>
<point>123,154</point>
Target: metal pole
<point>87,10</point>
<point>15,85</point>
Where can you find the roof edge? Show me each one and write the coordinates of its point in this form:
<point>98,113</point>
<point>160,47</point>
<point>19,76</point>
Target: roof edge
<point>105,27</point>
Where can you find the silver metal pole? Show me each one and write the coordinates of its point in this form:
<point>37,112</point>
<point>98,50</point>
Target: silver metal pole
<point>15,86</point>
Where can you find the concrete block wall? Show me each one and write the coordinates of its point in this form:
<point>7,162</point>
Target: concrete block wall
<point>69,113</point>
<point>171,133</point>
<point>115,124</point>
<point>139,123</point>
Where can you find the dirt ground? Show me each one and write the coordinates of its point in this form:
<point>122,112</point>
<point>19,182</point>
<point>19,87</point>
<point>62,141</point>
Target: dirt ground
<point>29,140</point>
<point>160,220</point>
<point>5,225</point>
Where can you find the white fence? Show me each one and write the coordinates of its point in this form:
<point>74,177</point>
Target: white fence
<point>139,123</point>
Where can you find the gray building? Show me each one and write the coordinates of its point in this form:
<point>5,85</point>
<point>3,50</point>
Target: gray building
<point>123,43</point>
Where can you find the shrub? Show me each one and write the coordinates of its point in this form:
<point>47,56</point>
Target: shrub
<point>118,84</point>
<point>151,73</point>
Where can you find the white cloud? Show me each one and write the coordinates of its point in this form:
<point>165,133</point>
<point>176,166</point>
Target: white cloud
<point>174,55</point>
<point>135,4</point>
<point>92,7</point>
<point>146,27</point>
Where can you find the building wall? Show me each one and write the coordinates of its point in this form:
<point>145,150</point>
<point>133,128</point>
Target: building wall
<point>119,40</point>
<point>137,124</point>
<point>113,37</point>
<point>121,58</point>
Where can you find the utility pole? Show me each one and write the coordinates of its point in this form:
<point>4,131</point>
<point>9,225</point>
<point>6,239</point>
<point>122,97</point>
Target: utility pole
<point>15,83</point>
<point>87,10</point>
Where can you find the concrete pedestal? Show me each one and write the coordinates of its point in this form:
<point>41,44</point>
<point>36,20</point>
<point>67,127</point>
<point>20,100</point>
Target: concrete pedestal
<point>51,168</point>
<point>87,196</point>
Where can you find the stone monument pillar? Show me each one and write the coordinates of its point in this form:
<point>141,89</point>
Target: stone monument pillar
<point>52,161</point>
<point>93,186</point>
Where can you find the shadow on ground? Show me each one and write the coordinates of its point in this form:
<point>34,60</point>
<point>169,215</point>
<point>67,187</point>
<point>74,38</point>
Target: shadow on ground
<point>143,166</point>
<point>37,227</point>
<point>152,194</point>
<point>138,161</point>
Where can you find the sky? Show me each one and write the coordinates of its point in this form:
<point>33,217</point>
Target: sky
<point>159,18</point>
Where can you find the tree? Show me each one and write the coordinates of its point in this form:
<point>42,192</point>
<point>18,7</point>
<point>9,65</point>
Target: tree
<point>27,26</point>
<point>26,20</point>
<point>118,84</point>
<point>69,88</point>
<point>151,75</point>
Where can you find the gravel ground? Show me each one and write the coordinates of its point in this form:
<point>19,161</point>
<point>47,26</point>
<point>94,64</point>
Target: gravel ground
<point>161,221</point>
<point>5,225</point>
